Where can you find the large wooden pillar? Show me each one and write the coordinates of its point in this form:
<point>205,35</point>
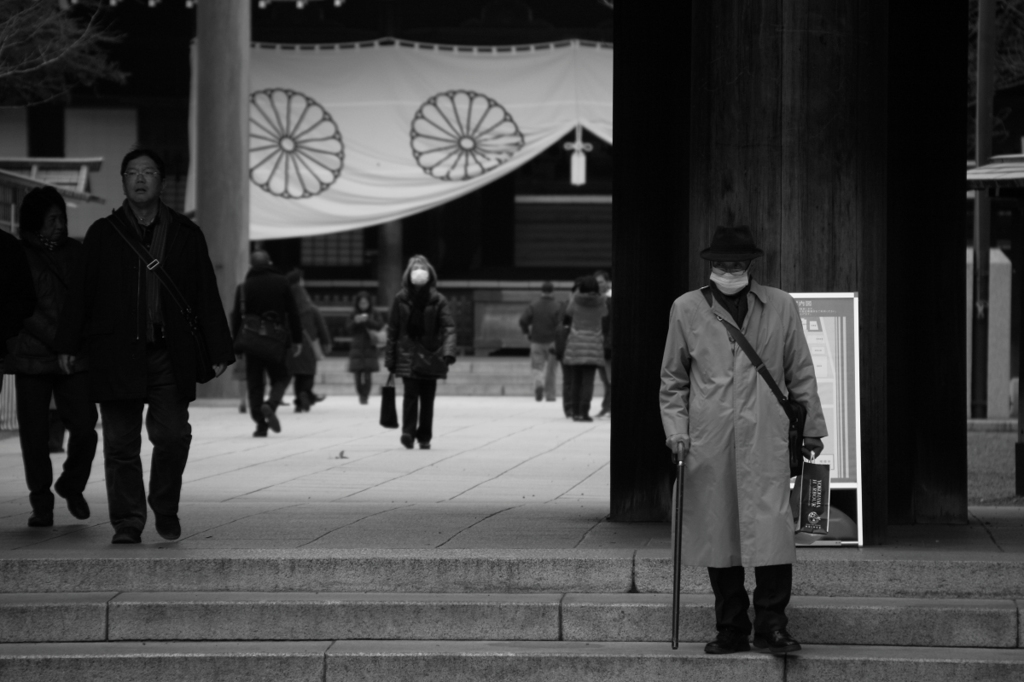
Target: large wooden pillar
<point>788,136</point>
<point>222,168</point>
<point>649,214</point>
<point>927,333</point>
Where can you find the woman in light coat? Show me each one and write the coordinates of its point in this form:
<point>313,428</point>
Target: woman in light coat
<point>584,348</point>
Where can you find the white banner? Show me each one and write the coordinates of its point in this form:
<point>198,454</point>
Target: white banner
<point>348,136</point>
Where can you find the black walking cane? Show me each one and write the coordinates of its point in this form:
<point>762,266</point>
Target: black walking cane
<point>677,537</point>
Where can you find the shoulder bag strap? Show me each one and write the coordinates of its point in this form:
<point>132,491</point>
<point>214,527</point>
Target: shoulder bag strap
<point>157,268</point>
<point>755,359</point>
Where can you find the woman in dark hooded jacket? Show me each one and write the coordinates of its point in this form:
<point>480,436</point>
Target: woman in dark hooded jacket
<point>54,261</point>
<point>584,349</point>
<point>421,346</point>
<point>362,356</point>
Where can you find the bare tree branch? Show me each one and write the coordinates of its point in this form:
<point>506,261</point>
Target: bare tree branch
<point>47,48</point>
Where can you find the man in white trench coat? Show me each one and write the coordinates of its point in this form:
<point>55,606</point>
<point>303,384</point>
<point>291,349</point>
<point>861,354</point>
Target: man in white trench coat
<point>721,417</point>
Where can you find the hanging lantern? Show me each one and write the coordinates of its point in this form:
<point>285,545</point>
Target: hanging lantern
<point>578,162</point>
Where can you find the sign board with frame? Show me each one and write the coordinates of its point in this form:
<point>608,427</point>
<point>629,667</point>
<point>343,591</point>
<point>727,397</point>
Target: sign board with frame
<point>831,325</point>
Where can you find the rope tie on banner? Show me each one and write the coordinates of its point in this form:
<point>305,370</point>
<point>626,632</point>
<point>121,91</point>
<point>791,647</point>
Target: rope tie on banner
<point>578,163</point>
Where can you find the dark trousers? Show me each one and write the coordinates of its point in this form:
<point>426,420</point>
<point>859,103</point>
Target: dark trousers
<point>418,401</point>
<point>771,596</point>
<point>568,400</point>
<point>279,378</point>
<point>364,382</point>
<point>303,391</point>
<point>605,371</point>
<point>169,432</point>
<point>77,411</point>
<point>581,388</point>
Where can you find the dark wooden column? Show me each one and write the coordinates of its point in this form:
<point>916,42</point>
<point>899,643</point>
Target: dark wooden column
<point>927,333</point>
<point>649,214</point>
<point>788,136</point>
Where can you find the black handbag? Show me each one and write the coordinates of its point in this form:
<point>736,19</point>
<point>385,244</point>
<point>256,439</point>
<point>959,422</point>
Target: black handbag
<point>388,411</point>
<point>262,336</point>
<point>795,411</point>
<point>204,363</point>
<point>427,364</point>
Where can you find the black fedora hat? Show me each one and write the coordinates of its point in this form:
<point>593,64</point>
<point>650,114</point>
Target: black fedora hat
<point>732,243</point>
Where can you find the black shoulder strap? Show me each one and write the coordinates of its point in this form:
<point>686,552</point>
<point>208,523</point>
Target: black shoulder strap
<point>755,359</point>
<point>154,265</point>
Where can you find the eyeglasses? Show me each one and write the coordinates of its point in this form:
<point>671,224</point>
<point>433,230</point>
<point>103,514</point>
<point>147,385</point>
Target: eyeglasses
<point>148,172</point>
<point>732,267</point>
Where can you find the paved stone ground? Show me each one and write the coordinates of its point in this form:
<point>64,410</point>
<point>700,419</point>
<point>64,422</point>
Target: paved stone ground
<point>504,473</point>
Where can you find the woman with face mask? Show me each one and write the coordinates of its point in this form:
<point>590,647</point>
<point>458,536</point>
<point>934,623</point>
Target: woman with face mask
<point>420,347</point>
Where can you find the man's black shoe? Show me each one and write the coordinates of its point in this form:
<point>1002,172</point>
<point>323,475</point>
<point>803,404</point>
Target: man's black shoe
<point>77,505</point>
<point>40,520</point>
<point>777,642</point>
<point>425,445</point>
<point>271,417</point>
<point>538,393</point>
<point>259,433</point>
<point>727,642</point>
<point>407,440</point>
<point>168,526</point>
<point>127,536</point>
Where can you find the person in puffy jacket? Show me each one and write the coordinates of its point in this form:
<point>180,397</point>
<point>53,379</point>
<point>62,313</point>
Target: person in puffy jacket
<point>362,356</point>
<point>420,348</point>
<point>584,347</point>
<point>54,260</point>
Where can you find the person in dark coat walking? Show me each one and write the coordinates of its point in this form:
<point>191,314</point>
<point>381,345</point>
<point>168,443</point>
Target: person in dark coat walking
<point>316,343</point>
<point>54,261</point>
<point>584,348</point>
<point>540,323</point>
<point>269,295</point>
<point>362,356</point>
<point>139,345</point>
<point>19,293</point>
<point>421,347</point>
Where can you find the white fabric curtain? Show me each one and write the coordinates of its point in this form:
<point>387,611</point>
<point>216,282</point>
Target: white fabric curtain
<point>348,136</point>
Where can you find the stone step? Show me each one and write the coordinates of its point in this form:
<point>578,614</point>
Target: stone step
<point>818,572</point>
<point>214,616</point>
<point>460,661</point>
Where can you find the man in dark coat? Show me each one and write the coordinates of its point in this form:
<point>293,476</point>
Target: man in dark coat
<point>19,295</point>
<point>139,346</point>
<point>54,260</point>
<point>268,295</point>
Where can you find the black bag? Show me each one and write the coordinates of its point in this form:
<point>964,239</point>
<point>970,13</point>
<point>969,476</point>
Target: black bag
<point>262,336</point>
<point>795,411</point>
<point>388,412</point>
<point>204,363</point>
<point>427,364</point>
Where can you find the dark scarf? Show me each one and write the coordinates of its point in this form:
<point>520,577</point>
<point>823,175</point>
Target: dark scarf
<point>154,238</point>
<point>735,304</point>
<point>419,298</point>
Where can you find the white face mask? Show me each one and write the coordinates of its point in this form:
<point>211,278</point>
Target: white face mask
<point>419,277</point>
<point>730,283</point>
